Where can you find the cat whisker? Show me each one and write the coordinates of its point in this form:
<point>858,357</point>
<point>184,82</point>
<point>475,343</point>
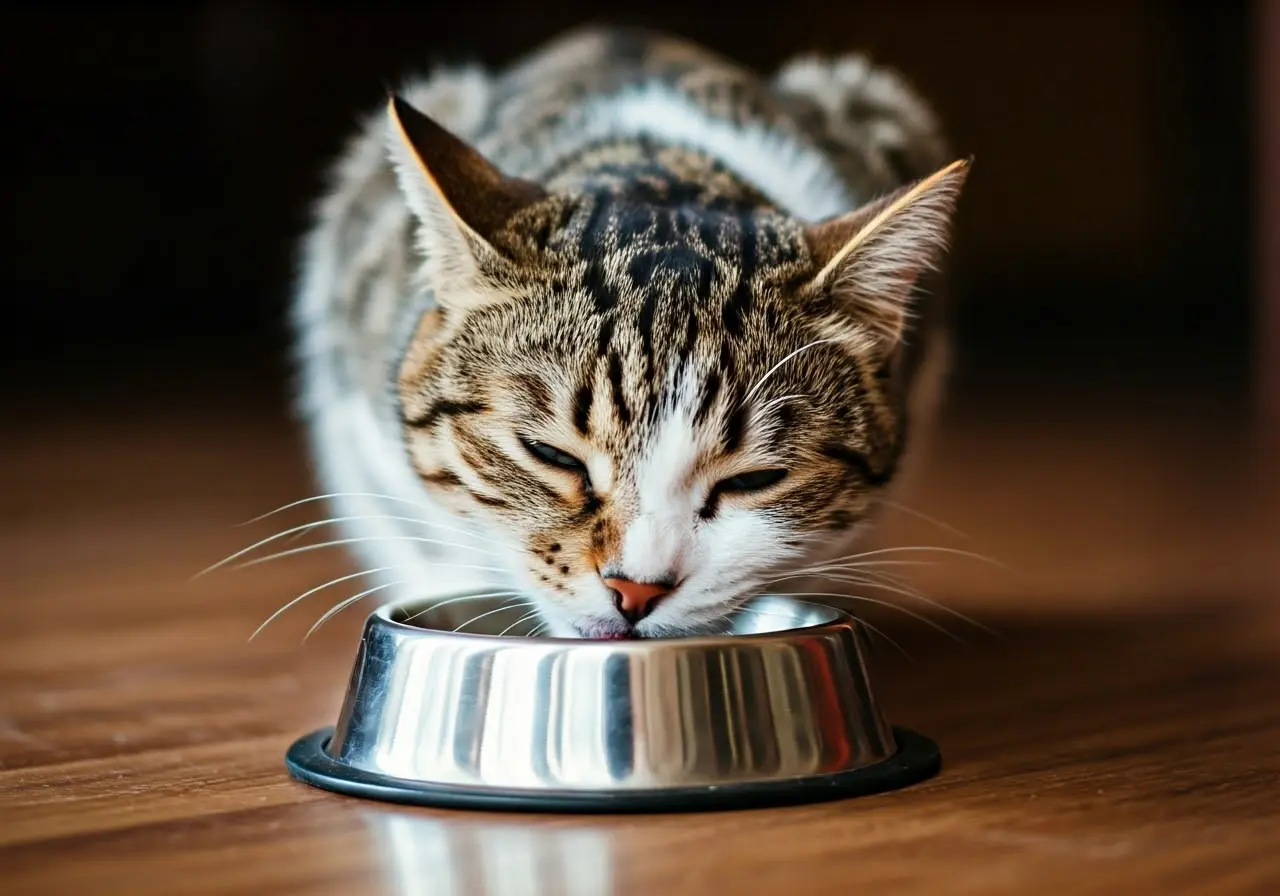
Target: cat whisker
<point>903,549</point>
<point>364,538</point>
<point>772,370</point>
<point>306,527</point>
<point>290,540</point>
<point>876,574</point>
<point>854,579</point>
<point>881,633</point>
<point>328,496</point>
<point>863,579</point>
<point>854,566</point>
<point>919,514</point>
<point>743,608</point>
<point>304,595</point>
<point>346,578</point>
<point>862,622</point>
<point>507,606</point>
<point>888,604</point>
<point>378,495</point>
<point>905,591</point>
<point>905,588</point>
<point>891,579</point>
<point>774,402</point>
<point>524,618</point>
<point>454,600</point>
<point>346,602</point>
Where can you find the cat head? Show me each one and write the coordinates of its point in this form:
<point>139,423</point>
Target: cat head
<point>656,400</point>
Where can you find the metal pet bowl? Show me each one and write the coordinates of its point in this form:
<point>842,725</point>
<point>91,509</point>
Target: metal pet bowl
<point>779,711</point>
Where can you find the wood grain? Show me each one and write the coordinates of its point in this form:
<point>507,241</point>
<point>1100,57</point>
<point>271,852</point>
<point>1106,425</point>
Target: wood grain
<point>1121,734</point>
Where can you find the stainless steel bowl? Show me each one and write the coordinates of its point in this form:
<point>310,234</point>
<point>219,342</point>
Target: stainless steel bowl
<point>779,710</point>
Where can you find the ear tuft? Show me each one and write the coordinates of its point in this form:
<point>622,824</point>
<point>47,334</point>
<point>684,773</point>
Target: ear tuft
<point>871,259</point>
<point>461,202</point>
<point>468,185</point>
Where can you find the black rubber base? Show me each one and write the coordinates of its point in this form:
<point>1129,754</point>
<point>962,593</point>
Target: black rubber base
<point>917,760</point>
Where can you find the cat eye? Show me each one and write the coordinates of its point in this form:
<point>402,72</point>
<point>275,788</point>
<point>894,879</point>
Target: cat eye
<point>553,456</point>
<point>756,480</point>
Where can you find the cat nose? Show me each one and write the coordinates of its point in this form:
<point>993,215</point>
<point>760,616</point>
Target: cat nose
<point>636,600</point>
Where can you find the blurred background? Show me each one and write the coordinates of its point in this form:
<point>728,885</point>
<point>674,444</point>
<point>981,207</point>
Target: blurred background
<point>161,159</point>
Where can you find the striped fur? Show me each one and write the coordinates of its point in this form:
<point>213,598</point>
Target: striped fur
<point>667,267</point>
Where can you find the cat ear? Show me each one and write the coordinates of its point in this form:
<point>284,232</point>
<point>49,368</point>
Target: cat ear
<point>461,201</point>
<point>871,259</point>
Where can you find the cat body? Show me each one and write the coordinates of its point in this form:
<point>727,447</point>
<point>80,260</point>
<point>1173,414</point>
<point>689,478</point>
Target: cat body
<point>624,327</point>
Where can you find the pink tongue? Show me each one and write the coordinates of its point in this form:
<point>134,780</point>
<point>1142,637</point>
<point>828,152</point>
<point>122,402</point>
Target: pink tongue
<point>617,637</point>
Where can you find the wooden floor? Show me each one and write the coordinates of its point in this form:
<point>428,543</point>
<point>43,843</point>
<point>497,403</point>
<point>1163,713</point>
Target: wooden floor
<point>1121,734</point>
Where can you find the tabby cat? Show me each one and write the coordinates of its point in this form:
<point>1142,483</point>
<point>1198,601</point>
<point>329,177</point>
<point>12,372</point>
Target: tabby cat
<point>625,327</point>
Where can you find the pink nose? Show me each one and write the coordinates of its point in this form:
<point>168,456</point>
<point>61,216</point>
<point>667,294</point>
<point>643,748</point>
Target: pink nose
<point>636,600</point>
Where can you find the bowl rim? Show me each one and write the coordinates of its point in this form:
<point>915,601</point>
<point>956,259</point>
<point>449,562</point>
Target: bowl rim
<point>915,760</point>
<point>838,619</point>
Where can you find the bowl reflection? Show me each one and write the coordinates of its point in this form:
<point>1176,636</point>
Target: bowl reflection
<point>439,857</point>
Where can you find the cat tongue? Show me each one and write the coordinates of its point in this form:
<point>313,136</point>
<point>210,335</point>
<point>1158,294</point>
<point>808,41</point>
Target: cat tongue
<point>617,636</point>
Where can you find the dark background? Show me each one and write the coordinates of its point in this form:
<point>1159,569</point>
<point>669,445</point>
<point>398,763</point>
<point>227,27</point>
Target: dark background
<point>159,162</point>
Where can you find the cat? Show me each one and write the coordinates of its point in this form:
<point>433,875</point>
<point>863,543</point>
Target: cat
<point>625,327</point>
